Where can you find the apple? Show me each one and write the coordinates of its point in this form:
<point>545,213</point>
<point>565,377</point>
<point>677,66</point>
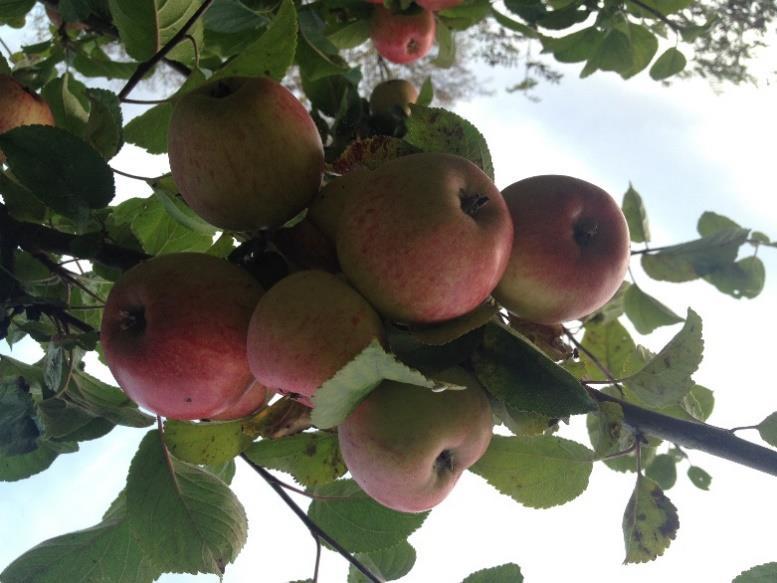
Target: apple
<point>570,250</point>
<point>393,98</point>
<point>402,37</point>
<point>254,398</point>
<point>436,5</point>
<point>19,106</point>
<point>244,153</point>
<point>406,446</point>
<point>174,334</point>
<point>306,328</point>
<point>327,207</point>
<point>425,237</point>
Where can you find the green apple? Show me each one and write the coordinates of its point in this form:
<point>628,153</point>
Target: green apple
<point>244,153</point>
<point>21,107</point>
<point>327,206</point>
<point>407,446</point>
<point>174,334</point>
<point>570,250</point>
<point>425,238</point>
<point>402,37</point>
<point>393,97</point>
<point>306,328</point>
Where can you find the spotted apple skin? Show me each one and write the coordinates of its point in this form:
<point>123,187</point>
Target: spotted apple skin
<point>174,334</point>
<point>570,251</point>
<point>407,446</point>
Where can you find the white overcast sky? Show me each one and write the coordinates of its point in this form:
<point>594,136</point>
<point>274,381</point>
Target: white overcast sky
<point>686,149</point>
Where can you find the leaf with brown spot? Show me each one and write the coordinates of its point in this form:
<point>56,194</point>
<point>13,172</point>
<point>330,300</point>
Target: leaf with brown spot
<point>650,522</point>
<point>371,153</point>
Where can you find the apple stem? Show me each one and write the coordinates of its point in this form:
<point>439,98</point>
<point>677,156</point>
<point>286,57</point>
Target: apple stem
<point>472,203</point>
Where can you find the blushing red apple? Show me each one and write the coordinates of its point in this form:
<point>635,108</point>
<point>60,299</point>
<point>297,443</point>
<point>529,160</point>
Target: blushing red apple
<point>306,328</point>
<point>402,37</point>
<point>254,398</point>
<point>20,106</point>
<point>407,446</point>
<point>174,334</point>
<point>437,5</point>
<point>244,153</point>
<point>425,237</point>
<point>570,250</point>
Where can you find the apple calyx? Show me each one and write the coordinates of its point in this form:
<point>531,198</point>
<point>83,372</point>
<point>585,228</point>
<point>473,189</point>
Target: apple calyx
<point>585,231</point>
<point>133,319</point>
<point>220,90</point>
<point>472,203</point>
<point>443,463</point>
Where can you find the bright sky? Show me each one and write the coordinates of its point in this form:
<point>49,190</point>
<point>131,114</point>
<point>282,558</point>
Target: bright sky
<point>686,150</point>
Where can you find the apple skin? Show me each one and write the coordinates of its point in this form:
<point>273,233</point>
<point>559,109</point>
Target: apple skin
<point>570,250</point>
<point>407,446</point>
<point>20,107</point>
<point>426,237</point>
<point>254,398</point>
<point>327,207</point>
<point>244,153</point>
<point>436,5</point>
<point>393,97</point>
<point>174,334</point>
<point>306,328</point>
<point>402,37</point>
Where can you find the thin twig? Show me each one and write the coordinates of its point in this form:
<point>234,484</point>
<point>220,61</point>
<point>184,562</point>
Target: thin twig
<point>658,14</point>
<point>133,176</point>
<point>610,377</point>
<point>145,101</point>
<point>302,492</point>
<point>146,66</point>
<point>733,429</point>
<point>54,267</point>
<point>5,46</point>
<point>315,530</point>
<point>318,559</point>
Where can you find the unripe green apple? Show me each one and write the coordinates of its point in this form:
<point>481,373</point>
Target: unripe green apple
<point>402,37</point>
<point>570,250</point>
<point>407,446</point>
<point>393,97</point>
<point>306,328</point>
<point>174,334</point>
<point>20,107</point>
<point>244,153</point>
<point>425,238</point>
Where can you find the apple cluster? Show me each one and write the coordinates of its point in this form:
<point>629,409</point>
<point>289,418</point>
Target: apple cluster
<point>420,240</point>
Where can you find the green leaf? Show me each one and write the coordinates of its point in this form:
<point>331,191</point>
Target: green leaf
<point>611,345</point>
<point>646,312</point>
<point>671,62</point>
<point>149,129</point>
<point>185,519</point>
<point>666,378</point>
<point>539,472</point>
<point>688,261</point>
<point>61,417</point>
<point>516,372</point>
<point>766,573</point>
<point>59,169</point>
<point>357,522</point>
<point>650,522</point>
<point>13,9</point>
<point>576,47</point>
<point>69,103</point>
<point>18,428</point>
<point>513,25</point>
<point>103,129</point>
<point>437,130</point>
<point>710,223</point>
<point>165,193</point>
<point>665,7</point>
<point>272,53</point>
<point>768,429</point>
<point>742,279</point>
<point>699,478</point>
<point>389,564</point>
<point>351,35</point>
<point>426,94</point>
<point>205,443</point>
<point>636,216</point>
<point>232,16</point>
<point>610,311</point>
<point>644,45</point>
<point>446,46</point>
<point>19,467</point>
<point>311,458</point>
<point>606,430</point>
<point>339,395</point>
<point>663,471</point>
<point>106,401</point>
<point>225,472</point>
<point>146,25</point>
<point>507,573</point>
<point>104,553</point>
